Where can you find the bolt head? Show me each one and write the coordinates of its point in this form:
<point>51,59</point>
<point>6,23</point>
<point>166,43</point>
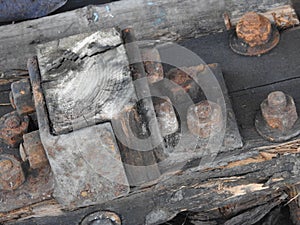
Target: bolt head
<point>254,29</point>
<point>203,110</point>
<point>277,99</point>
<point>205,119</point>
<point>12,128</point>
<point>13,121</point>
<point>101,222</point>
<point>279,111</point>
<point>11,173</point>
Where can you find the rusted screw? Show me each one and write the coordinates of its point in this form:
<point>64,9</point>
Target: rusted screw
<point>11,173</point>
<point>166,116</point>
<point>12,128</point>
<point>204,119</point>
<point>279,111</point>
<point>254,29</point>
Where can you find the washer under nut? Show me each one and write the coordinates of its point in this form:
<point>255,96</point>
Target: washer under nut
<point>11,173</point>
<point>278,119</point>
<point>205,119</point>
<point>254,35</point>
<point>12,128</point>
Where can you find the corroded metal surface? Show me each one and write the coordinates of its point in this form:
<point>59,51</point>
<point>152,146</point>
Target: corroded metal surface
<point>153,67</point>
<point>278,120</point>
<point>86,163</point>
<point>279,111</point>
<point>254,29</point>
<point>21,97</point>
<point>38,187</point>
<point>166,116</point>
<point>254,35</point>
<point>32,150</point>
<point>11,173</point>
<point>12,128</point>
<point>205,119</point>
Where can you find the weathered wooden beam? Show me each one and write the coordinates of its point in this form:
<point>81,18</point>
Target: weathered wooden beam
<point>258,174</point>
<point>163,19</point>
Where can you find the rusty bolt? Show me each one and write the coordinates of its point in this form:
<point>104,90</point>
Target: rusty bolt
<point>21,97</point>
<point>166,116</point>
<point>101,218</point>
<point>254,29</point>
<point>204,119</point>
<point>32,150</point>
<point>279,111</point>
<point>12,128</point>
<point>152,64</point>
<point>11,173</point>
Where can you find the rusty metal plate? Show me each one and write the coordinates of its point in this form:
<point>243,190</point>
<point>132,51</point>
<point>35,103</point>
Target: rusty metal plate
<point>193,146</point>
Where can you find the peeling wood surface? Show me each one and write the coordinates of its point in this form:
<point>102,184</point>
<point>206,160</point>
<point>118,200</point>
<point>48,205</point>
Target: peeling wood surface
<point>163,19</point>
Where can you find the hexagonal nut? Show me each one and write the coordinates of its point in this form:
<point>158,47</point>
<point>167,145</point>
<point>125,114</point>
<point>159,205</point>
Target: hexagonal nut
<point>11,173</point>
<point>152,64</point>
<point>12,128</point>
<point>279,111</point>
<point>254,29</point>
<point>205,119</point>
<point>32,150</point>
<point>21,97</point>
<point>166,116</point>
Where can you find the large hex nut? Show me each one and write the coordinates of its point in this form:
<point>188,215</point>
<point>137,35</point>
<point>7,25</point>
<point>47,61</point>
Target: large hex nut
<point>254,29</point>
<point>12,128</point>
<point>21,97</point>
<point>32,150</point>
<point>11,173</point>
<point>205,119</point>
<point>255,35</point>
<point>279,111</point>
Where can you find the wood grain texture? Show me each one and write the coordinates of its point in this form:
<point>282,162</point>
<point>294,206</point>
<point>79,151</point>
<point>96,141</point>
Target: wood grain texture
<point>163,19</point>
<point>85,78</point>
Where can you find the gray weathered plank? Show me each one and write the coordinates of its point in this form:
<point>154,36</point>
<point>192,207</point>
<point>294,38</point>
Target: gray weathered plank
<point>162,19</point>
